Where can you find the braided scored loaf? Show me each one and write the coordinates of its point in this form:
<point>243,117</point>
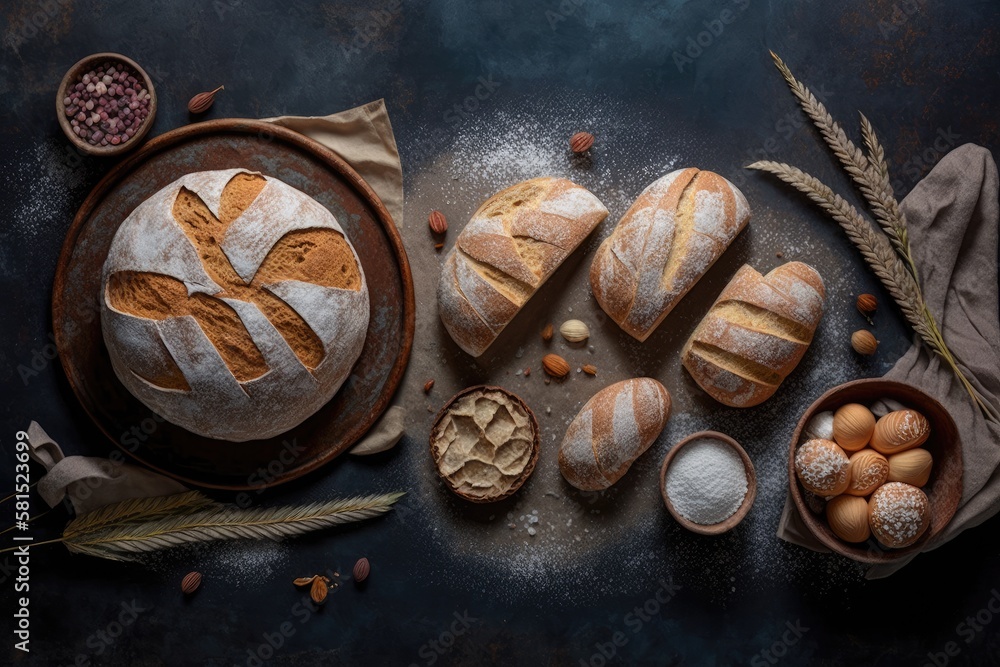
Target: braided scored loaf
<point>755,333</point>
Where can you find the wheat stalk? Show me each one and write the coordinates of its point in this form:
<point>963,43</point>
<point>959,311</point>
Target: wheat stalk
<point>866,171</point>
<point>124,533</point>
<point>885,263</point>
<point>874,247</point>
<point>137,509</point>
<point>889,254</point>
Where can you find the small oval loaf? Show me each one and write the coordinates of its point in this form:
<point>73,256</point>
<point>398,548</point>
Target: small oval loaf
<point>612,430</point>
<point>755,333</point>
<point>665,242</point>
<point>512,244</point>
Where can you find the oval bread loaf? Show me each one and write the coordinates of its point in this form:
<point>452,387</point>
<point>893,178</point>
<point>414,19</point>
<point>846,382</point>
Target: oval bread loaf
<point>665,242</point>
<point>612,430</point>
<point>755,333</point>
<point>512,244</point>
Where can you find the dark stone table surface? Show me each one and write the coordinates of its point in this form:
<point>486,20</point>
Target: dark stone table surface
<point>663,85</point>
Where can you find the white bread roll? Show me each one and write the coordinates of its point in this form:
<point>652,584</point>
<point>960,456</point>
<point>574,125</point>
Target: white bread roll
<point>665,242</point>
<point>233,304</point>
<point>510,247</point>
<point>755,333</point>
<point>611,431</point>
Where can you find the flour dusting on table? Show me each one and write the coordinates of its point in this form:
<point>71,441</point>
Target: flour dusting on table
<point>550,538</point>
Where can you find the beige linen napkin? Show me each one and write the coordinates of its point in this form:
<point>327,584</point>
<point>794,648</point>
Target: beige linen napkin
<point>953,216</point>
<point>90,482</point>
<point>363,137</point>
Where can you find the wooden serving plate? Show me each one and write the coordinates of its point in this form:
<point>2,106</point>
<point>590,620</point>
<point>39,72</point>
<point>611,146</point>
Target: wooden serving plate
<point>944,489</point>
<point>303,164</point>
<point>725,525</point>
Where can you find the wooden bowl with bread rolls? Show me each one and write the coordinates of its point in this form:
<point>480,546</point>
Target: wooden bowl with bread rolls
<point>927,499</point>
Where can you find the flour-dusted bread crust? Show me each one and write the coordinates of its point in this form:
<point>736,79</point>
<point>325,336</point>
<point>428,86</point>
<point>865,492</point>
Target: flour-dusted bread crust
<point>670,236</point>
<point>509,248</point>
<point>755,333</point>
<point>233,304</point>
<point>611,431</point>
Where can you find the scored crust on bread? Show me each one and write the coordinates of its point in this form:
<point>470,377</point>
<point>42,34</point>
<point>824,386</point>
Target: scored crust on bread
<point>233,304</point>
<point>611,431</point>
<point>670,236</point>
<point>509,248</point>
<point>756,333</point>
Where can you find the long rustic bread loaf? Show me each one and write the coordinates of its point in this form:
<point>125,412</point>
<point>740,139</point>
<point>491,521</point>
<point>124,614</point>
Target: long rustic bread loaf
<point>611,431</point>
<point>233,304</point>
<point>755,333</point>
<point>665,242</point>
<point>512,244</point>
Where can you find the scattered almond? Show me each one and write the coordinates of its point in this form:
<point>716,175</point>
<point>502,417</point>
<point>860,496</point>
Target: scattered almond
<point>555,366</point>
<point>867,303</point>
<point>428,386</point>
<point>547,332</point>
<point>304,581</point>
<point>527,371</point>
<point>318,590</point>
<point>574,331</point>
<point>590,369</point>
<point>438,223</point>
<point>863,342</point>
<point>581,142</point>
<point>361,570</point>
<point>191,582</point>
<point>202,101</point>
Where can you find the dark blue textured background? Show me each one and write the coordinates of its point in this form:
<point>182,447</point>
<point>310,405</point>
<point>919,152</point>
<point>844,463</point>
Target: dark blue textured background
<point>919,70</point>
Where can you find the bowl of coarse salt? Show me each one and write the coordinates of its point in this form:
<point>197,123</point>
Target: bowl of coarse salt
<point>708,483</point>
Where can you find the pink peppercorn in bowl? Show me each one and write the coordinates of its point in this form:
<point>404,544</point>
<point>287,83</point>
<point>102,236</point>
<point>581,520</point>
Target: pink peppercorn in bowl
<point>106,104</point>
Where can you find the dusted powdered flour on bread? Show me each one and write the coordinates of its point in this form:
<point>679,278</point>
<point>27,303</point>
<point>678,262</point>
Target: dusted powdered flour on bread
<point>485,444</point>
<point>755,333</point>
<point>899,514</point>
<point>233,304</point>
<point>670,236</point>
<point>611,431</point>
<point>822,467</point>
<point>509,248</point>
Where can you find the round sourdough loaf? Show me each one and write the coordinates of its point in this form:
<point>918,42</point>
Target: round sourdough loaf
<point>233,304</point>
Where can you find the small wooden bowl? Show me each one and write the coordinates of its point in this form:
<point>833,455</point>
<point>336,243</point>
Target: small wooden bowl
<point>535,444</point>
<point>732,521</point>
<point>944,489</point>
<point>79,69</point>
